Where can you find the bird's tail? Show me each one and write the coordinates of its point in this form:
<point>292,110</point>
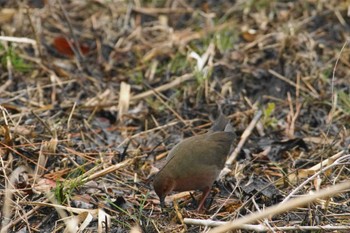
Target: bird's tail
<point>220,123</point>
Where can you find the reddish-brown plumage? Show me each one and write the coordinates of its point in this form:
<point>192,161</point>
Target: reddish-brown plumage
<point>195,162</point>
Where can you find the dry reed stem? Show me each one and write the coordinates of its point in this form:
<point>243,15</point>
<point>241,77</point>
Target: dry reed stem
<point>278,209</point>
<point>262,228</point>
<point>244,138</point>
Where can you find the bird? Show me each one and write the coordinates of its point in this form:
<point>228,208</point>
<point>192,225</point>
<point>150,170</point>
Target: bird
<point>195,162</point>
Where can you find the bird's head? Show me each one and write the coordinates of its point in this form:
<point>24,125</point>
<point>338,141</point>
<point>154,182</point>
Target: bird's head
<point>162,186</point>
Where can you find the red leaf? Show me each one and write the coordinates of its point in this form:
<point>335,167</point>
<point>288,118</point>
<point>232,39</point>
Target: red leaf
<point>63,46</point>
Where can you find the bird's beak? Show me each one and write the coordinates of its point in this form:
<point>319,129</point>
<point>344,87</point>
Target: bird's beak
<point>162,202</point>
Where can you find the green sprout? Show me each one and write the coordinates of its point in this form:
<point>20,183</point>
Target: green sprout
<point>17,62</point>
<point>268,118</point>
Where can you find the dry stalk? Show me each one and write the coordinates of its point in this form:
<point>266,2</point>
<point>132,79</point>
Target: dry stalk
<point>339,161</point>
<point>155,129</point>
<point>292,116</point>
<point>167,86</point>
<point>7,208</point>
<point>278,209</point>
<point>244,138</point>
<point>262,228</point>
<point>158,96</point>
<point>124,100</point>
<point>20,219</point>
<point>334,95</point>
<point>107,170</point>
<point>283,78</point>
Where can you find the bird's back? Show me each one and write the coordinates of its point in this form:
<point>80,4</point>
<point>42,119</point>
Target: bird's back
<point>197,161</point>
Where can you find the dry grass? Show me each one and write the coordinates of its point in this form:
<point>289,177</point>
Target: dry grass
<point>94,93</point>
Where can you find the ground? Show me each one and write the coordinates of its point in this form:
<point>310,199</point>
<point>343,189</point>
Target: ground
<point>94,94</point>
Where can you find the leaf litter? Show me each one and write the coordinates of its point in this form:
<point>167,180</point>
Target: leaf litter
<point>93,94</point>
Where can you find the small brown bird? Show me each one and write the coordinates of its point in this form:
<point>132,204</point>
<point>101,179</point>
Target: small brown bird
<point>196,162</point>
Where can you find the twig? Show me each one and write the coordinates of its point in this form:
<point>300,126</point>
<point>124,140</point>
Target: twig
<point>154,11</point>
<point>38,47</point>
<point>292,116</point>
<point>8,208</point>
<point>70,116</point>
<point>67,82</point>
<point>107,170</point>
<point>262,228</point>
<point>337,162</point>
<point>75,46</point>
<point>277,209</point>
<point>9,68</point>
<point>46,126</point>
<point>25,215</point>
<point>159,97</point>
<point>244,138</point>
<point>334,96</point>
<point>18,40</point>
<point>279,76</point>
<point>176,82</point>
<point>154,129</point>
<point>179,215</point>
